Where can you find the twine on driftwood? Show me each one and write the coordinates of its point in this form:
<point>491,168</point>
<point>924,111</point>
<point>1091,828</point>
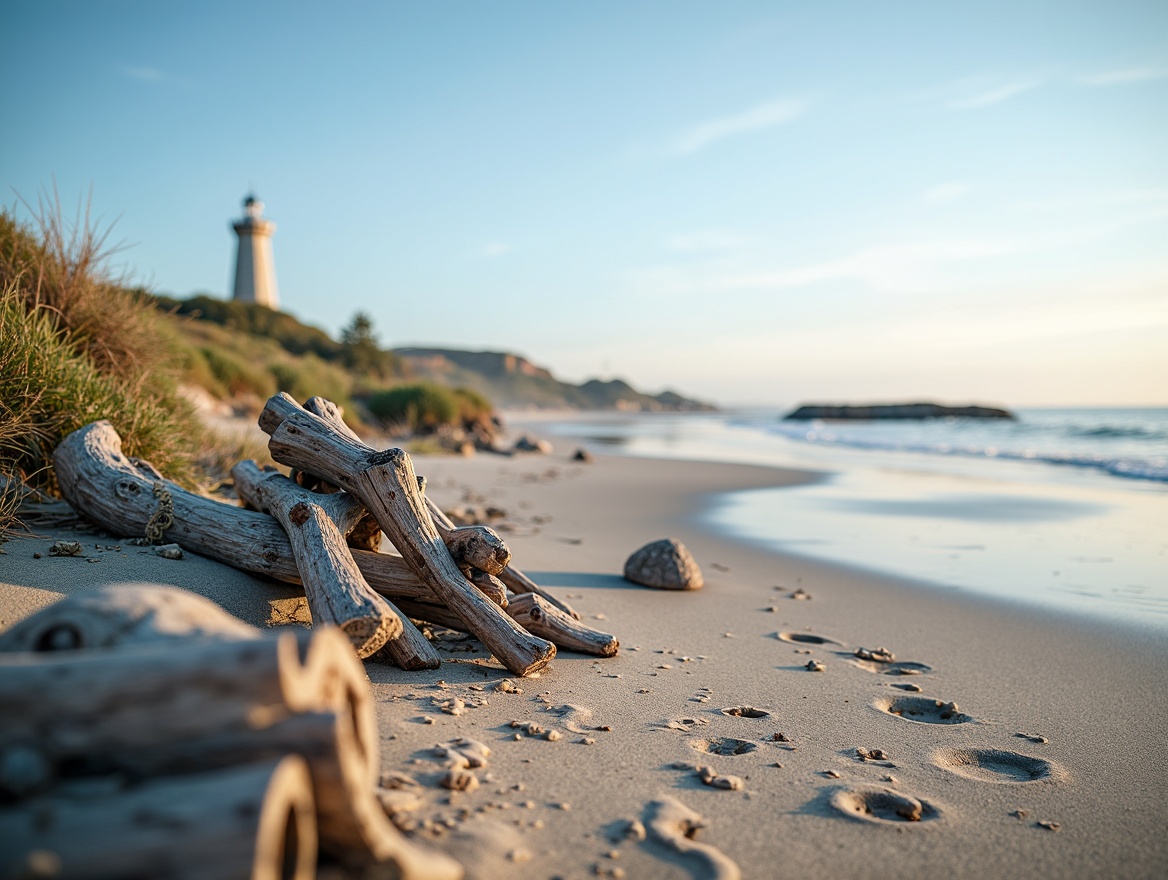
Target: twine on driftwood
<point>163,516</point>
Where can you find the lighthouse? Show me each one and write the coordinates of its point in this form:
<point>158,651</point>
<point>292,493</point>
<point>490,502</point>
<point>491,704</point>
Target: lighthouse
<point>255,272</point>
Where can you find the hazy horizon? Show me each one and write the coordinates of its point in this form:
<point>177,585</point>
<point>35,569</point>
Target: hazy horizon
<point>752,204</point>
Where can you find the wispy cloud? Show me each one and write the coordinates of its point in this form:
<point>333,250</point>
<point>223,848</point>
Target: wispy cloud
<point>907,267</point>
<point>494,249</point>
<point>1123,77</point>
<point>144,74</point>
<point>910,266</point>
<point>757,118</point>
<point>709,240</point>
<point>996,95</point>
<point>945,192</point>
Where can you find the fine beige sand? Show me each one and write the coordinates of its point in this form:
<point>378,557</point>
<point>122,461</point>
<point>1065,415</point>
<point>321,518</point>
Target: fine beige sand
<point>1051,763</point>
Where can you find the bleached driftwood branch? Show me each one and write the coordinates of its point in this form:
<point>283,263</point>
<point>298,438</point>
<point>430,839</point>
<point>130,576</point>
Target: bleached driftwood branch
<point>337,593</point>
<point>537,617</point>
<point>386,483</point>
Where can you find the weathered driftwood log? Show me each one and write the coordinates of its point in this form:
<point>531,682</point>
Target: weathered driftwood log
<point>337,593</point>
<point>123,614</point>
<point>542,618</point>
<point>386,482</point>
<point>255,821</point>
<point>535,615</point>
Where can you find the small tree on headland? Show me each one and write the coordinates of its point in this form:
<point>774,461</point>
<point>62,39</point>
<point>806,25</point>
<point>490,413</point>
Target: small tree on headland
<point>362,353</point>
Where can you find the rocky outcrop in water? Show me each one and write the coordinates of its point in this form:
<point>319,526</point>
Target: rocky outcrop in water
<point>807,412</point>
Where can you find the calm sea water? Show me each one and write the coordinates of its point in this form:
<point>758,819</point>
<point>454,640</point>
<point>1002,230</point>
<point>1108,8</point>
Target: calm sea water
<point>1066,508</point>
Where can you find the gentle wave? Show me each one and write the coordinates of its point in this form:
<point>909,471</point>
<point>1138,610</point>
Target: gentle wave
<point>1154,468</point>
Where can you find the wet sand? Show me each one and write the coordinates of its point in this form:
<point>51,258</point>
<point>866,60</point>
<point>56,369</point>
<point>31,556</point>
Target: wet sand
<point>995,742</point>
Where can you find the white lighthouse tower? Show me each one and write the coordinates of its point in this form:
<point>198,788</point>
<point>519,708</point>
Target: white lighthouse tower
<point>255,272</point>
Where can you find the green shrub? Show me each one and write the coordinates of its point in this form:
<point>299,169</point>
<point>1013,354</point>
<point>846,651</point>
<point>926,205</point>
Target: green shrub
<point>420,407</point>
<point>236,376</point>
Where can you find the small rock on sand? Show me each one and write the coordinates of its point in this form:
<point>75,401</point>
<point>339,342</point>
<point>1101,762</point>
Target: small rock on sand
<point>65,548</point>
<point>665,564</point>
<point>169,551</point>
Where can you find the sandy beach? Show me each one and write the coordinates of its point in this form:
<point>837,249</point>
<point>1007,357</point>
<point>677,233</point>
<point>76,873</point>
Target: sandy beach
<point>1050,764</point>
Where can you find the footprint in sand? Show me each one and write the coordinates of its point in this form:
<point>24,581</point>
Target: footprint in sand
<point>805,638</point>
<point>923,710</point>
<point>674,825</point>
<point>902,667</point>
<point>745,712</point>
<point>883,806</point>
<point>996,765</point>
<point>724,745</point>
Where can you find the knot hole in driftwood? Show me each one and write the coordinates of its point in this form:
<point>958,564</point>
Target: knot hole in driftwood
<point>299,513</point>
<point>127,490</point>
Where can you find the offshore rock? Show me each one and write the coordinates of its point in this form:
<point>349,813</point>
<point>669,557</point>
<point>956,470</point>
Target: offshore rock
<point>665,565</point>
<point>807,412</point>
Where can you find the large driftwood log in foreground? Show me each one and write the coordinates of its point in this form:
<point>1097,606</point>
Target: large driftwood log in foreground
<point>386,482</point>
<point>252,821</point>
<point>337,593</point>
<point>148,709</point>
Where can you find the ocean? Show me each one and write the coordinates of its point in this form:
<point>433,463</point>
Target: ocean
<point>1062,508</point>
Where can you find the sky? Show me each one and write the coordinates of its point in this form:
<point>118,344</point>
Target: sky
<point>754,203</point>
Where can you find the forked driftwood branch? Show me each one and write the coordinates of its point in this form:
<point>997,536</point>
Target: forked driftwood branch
<point>337,593</point>
<point>386,483</point>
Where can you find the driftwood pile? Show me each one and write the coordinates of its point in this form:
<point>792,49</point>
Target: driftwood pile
<point>147,733</point>
<point>321,527</point>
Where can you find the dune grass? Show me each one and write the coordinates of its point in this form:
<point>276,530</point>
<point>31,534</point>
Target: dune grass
<point>77,345</point>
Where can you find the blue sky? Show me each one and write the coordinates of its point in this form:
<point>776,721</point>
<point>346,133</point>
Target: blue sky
<point>748,202</point>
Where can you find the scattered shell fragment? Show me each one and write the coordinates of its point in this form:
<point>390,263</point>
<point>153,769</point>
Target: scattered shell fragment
<point>666,565</point>
<point>507,686</point>
<point>169,551</point>
<point>814,666</point>
<point>1033,737</point>
<point>467,752</point>
<point>871,754</point>
<point>875,655</point>
<point>710,777</point>
<point>745,712</point>
<point>1048,825</point>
